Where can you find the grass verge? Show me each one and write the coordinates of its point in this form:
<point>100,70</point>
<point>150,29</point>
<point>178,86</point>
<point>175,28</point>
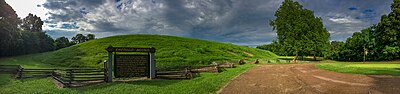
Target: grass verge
<point>360,68</point>
<point>205,83</point>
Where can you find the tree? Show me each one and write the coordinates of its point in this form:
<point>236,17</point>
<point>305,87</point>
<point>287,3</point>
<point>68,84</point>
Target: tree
<point>334,49</point>
<point>90,37</point>
<point>299,31</point>
<point>388,33</point>
<point>79,38</point>
<point>273,47</point>
<point>9,38</point>
<point>62,42</point>
<point>27,38</point>
<point>32,23</point>
<point>381,41</point>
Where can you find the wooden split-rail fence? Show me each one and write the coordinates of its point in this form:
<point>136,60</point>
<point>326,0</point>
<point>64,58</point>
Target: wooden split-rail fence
<point>188,72</point>
<point>75,77</point>
<point>10,69</point>
<point>67,77</point>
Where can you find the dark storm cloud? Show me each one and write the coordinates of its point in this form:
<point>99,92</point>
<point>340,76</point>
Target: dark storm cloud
<point>242,22</point>
<point>67,10</point>
<point>352,8</point>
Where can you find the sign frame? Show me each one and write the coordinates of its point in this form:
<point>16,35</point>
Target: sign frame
<point>150,53</point>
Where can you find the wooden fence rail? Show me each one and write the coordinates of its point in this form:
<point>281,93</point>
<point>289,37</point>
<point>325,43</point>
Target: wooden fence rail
<point>10,69</point>
<point>79,77</point>
<point>68,77</point>
<point>34,73</point>
<point>184,72</point>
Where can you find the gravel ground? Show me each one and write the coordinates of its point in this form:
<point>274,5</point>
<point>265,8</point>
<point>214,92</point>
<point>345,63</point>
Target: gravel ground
<point>307,79</point>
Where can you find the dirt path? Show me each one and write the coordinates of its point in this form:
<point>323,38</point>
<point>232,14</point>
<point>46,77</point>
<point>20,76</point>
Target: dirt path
<point>306,79</point>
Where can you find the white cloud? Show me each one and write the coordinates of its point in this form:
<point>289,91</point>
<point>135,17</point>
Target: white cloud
<point>344,20</point>
<point>24,7</point>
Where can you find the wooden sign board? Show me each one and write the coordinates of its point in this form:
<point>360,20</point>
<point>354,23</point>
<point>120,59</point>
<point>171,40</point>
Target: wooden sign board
<point>131,66</point>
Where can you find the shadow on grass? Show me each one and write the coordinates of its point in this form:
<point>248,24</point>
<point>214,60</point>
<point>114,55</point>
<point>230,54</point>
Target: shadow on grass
<point>4,79</point>
<point>156,82</point>
<point>379,71</point>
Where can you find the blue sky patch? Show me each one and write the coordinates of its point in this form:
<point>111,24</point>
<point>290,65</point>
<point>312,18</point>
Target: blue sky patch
<point>52,26</point>
<point>69,26</point>
<point>352,8</point>
<point>369,13</point>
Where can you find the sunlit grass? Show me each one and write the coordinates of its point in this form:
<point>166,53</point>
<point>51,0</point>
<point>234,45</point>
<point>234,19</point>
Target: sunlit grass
<point>203,84</point>
<point>360,68</point>
<point>170,51</point>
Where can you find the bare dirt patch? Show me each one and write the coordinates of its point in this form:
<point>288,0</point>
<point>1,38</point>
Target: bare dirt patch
<point>248,54</point>
<point>306,79</point>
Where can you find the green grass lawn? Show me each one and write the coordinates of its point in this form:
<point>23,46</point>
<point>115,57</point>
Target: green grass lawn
<point>360,68</point>
<point>170,51</point>
<point>205,83</point>
<point>26,61</point>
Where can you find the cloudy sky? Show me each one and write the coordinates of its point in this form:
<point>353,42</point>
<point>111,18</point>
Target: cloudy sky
<point>242,22</point>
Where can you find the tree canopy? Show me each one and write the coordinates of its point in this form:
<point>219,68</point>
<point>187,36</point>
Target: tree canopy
<point>381,41</point>
<point>299,31</point>
<point>25,36</point>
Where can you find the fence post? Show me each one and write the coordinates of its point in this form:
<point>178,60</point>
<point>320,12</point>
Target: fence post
<point>105,71</point>
<point>152,65</point>
<point>70,78</point>
<point>110,50</point>
<point>20,73</point>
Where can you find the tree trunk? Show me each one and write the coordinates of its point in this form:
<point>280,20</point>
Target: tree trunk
<point>295,58</point>
<point>315,58</point>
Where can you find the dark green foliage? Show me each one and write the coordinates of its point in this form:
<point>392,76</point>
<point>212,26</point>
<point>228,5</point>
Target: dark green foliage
<point>32,23</point>
<point>90,37</point>
<point>26,39</point>
<point>354,47</point>
<point>8,25</point>
<point>274,47</point>
<point>335,48</point>
<point>299,31</point>
<point>382,41</point>
<point>80,38</point>
<point>62,42</point>
<point>388,34</point>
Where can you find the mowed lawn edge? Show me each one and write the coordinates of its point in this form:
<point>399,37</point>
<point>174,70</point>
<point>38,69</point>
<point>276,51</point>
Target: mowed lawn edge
<point>205,83</point>
<point>392,69</point>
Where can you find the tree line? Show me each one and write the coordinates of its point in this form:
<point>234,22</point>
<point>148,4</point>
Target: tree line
<point>25,36</point>
<point>378,42</point>
<point>300,33</point>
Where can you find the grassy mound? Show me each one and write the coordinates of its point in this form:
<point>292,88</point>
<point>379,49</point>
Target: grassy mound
<point>170,51</point>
